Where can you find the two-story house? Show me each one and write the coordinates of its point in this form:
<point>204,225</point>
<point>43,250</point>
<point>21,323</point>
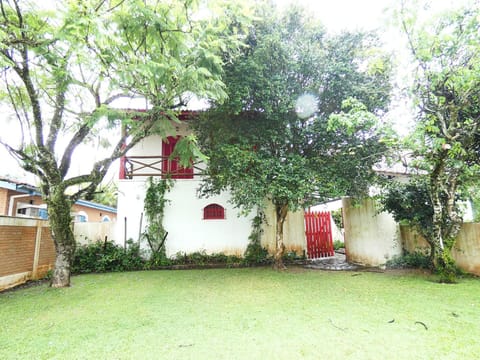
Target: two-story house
<point>194,224</point>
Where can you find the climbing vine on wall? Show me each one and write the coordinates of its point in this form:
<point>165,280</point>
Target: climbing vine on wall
<point>155,233</point>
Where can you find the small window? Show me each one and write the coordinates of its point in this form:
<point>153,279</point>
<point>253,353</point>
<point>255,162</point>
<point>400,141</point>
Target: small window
<point>213,212</point>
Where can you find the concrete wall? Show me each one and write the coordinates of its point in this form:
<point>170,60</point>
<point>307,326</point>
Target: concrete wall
<point>27,251</point>
<point>371,238</point>
<point>466,250</point>
<point>293,231</point>
<point>90,232</point>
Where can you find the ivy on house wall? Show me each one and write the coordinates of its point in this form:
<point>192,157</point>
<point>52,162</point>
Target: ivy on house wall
<point>154,205</point>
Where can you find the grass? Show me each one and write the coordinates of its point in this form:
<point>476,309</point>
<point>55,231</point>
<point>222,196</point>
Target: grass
<point>252,313</point>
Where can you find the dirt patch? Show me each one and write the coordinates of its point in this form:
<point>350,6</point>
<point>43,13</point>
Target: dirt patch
<point>28,284</point>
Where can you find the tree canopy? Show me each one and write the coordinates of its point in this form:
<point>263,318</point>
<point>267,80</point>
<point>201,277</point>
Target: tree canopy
<point>300,123</point>
<point>63,66</point>
<point>445,145</point>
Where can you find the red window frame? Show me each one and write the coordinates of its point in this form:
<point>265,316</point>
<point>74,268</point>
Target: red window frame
<point>213,212</point>
<point>172,167</point>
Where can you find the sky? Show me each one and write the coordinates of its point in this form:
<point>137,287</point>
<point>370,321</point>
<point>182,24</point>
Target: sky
<point>336,15</point>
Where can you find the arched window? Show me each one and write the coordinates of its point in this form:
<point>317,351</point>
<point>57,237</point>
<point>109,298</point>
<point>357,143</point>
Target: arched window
<point>81,216</point>
<point>105,218</point>
<point>213,212</point>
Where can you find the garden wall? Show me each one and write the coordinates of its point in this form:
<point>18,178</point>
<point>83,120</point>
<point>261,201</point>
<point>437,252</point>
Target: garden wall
<point>90,232</point>
<point>293,231</point>
<point>27,251</point>
<point>371,237</point>
<point>466,250</point>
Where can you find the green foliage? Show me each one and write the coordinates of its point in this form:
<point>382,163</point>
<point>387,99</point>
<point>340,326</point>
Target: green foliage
<point>337,217</point>
<point>107,257</point>
<point>63,68</point>
<point>337,244</point>
<point>410,203</point>
<point>201,258</point>
<point>282,134</point>
<point>106,194</point>
<point>48,275</point>
<point>255,253</point>
<point>259,147</point>
<point>445,144</point>
<point>154,205</point>
<point>416,260</point>
<point>446,268</point>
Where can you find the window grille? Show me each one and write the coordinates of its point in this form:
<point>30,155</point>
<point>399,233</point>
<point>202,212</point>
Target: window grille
<point>213,212</point>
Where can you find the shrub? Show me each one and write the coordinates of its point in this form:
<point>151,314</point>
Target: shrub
<point>337,218</point>
<point>410,260</point>
<point>337,244</point>
<point>255,254</point>
<point>107,256</point>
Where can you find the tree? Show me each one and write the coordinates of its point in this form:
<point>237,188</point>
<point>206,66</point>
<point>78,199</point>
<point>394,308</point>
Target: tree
<point>63,68</point>
<point>298,124</point>
<point>446,144</point>
<point>106,194</point>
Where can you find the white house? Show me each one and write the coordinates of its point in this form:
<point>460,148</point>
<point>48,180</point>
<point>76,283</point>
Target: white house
<point>194,224</point>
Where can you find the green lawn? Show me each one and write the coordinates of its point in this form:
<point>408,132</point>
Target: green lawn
<point>243,314</point>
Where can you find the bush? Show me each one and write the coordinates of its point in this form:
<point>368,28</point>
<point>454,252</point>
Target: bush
<point>107,256</point>
<point>337,244</point>
<point>337,218</point>
<point>412,260</point>
<point>202,258</point>
<point>255,254</point>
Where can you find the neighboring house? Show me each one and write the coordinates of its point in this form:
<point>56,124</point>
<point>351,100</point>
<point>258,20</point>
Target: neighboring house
<point>194,224</point>
<point>24,200</point>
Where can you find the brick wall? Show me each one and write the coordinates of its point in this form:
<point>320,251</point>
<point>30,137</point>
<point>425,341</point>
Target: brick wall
<point>3,201</point>
<point>26,250</point>
<point>17,249</point>
<point>47,250</point>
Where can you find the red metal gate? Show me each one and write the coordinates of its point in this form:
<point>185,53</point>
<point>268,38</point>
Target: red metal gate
<point>318,231</point>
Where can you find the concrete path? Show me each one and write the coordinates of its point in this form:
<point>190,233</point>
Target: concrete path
<point>337,262</point>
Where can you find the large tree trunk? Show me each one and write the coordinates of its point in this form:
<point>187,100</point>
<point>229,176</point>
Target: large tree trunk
<point>446,221</point>
<point>281,214</point>
<point>60,225</point>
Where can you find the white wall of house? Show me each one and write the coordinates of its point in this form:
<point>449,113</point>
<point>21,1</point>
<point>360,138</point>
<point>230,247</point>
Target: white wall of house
<point>187,230</point>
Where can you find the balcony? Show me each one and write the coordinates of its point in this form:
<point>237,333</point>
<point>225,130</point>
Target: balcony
<point>164,166</point>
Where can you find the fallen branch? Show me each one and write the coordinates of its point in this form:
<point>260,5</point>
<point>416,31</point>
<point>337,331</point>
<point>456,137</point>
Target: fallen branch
<point>333,324</point>
<point>421,323</point>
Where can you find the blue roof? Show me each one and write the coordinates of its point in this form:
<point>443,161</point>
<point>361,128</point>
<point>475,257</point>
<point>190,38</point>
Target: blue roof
<point>96,206</point>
